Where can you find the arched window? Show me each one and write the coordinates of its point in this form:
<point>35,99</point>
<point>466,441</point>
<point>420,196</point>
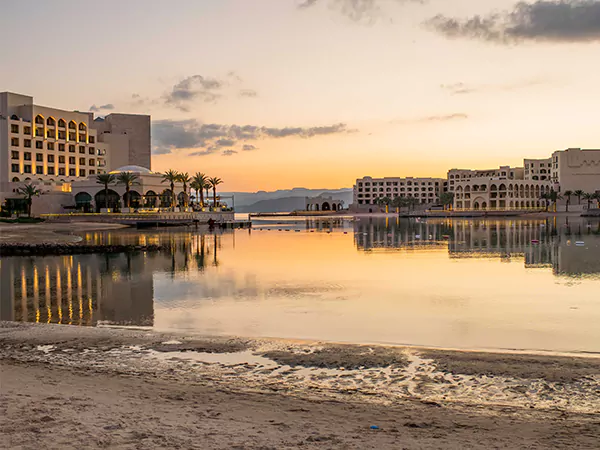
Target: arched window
<point>50,121</point>
<point>72,125</point>
<point>39,119</point>
<point>16,180</point>
<point>14,117</point>
<point>61,123</point>
<point>82,126</point>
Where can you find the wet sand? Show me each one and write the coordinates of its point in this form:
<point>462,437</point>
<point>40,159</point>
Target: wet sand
<point>50,232</point>
<point>70,387</point>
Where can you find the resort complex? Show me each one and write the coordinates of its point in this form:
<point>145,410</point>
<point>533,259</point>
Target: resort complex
<point>567,173</point>
<point>85,164</point>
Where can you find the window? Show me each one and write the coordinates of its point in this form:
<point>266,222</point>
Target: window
<point>82,172</point>
<point>92,151</point>
<point>14,168</point>
<point>27,156</point>
<point>61,170</point>
<point>81,137</point>
<point>82,161</point>
<point>14,128</point>
<point>71,160</point>
<point>50,121</point>
<point>92,172</point>
<point>39,170</point>
<point>71,149</point>
<point>61,159</point>
<point>14,142</point>
<point>71,172</point>
<point>27,168</point>
<point>82,126</point>
<point>72,136</point>
<point>72,125</point>
<point>39,132</point>
<point>39,120</point>
<point>50,170</point>
<point>14,155</point>
<point>81,149</point>
<point>39,144</point>
<point>50,158</point>
<point>39,157</point>
<point>92,162</point>
<point>61,147</point>
<point>61,123</point>
<point>27,130</point>
<point>92,139</point>
<point>62,135</point>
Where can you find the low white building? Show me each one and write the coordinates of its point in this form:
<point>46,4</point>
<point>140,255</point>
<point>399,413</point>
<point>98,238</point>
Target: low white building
<point>368,190</point>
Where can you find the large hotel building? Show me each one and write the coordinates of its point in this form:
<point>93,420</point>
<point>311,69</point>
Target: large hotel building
<point>53,147</point>
<point>503,189</point>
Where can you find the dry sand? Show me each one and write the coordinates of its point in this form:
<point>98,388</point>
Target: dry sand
<point>67,387</point>
<point>51,232</point>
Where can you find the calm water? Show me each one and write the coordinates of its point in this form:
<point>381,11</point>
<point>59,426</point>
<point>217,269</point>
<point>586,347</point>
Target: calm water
<point>504,284</point>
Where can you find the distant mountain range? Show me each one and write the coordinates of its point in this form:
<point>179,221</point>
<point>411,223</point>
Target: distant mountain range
<point>283,200</point>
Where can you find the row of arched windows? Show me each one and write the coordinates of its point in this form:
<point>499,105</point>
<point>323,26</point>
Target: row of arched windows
<point>51,122</point>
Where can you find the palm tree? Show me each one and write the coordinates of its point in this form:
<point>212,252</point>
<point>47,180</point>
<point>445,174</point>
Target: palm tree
<point>596,196</point>
<point>446,199</point>
<point>589,198</point>
<point>200,179</point>
<point>184,178</point>
<point>554,197</point>
<point>29,191</point>
<point>207,188</point>
<point>195,186</point>
<point>171,176</point>
<point>127,179</point>
<point>214,182</point>
<point>106,179</point>
<point>568,195</point>
<point>579,193</point>
<point>546,197</point>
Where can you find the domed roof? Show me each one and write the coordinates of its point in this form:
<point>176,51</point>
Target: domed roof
<point>134,169</point>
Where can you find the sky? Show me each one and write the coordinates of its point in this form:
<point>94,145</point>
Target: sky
<point>275,94</point>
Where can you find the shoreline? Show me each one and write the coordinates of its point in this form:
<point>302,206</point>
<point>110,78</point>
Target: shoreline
<point>216,392</point>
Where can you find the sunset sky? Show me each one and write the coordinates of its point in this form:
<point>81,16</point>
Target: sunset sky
<point>274,94</point>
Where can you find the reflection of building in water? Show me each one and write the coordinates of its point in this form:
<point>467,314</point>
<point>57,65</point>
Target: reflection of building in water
<point>573,259</point>
<point>87,289</point>
<point>505,238</point>
<point>396,234</point>
<point>77,290</point>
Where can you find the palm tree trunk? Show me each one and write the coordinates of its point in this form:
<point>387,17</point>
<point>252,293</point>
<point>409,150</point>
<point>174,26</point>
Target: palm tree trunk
<point>127,196</point>
<point>201,193</point>
<point>29,202</point>
<point>106,196</point>
<point>567,208</point>
<point>172,196</point>
<point>214,196</point>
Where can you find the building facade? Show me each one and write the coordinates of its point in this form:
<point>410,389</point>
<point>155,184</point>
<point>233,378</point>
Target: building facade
<point>502,173</point>
<point>368,190</point>
<point>538,169</point>
<point>576,169</point>
<point>500,195</point>
<point>52,147</point>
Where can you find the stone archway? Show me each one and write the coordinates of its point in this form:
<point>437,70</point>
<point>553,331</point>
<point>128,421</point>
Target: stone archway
<point>111,201</point>
<point>333,207</point>
<point>83,201</point>
<point>326,206</point>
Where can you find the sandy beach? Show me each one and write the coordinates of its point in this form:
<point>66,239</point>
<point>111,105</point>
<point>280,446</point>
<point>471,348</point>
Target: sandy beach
<point>74,387</point>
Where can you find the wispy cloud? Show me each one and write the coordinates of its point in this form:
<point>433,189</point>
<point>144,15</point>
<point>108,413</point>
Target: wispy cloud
<point>464,88</point>
<point>193,88</point>
<point>107,107</point>
<point>357,10</point>
<point>229,152</point>
<point>432,119</point>
<point>249,147</point>
<point>251,93</point>
<point>543,20</point>
<point>169,135</point>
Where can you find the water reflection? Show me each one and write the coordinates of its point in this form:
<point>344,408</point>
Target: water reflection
<point>433,282</point>
<point>570,246</point>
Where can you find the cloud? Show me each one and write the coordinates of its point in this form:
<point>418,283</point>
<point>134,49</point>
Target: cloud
<point>462,88</point>
<point>195,87</point>
<point>541,21</point>
<point>228,152</point>
<point>107,107</point>
<point>433,119</point>
<point>169,135</point>
<point>249,147</point>
<point>248,93</point>
<point>356,10</point>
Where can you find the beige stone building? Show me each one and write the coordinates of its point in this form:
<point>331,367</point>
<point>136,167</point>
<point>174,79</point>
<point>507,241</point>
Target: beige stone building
<point>538,169</point>
<point>499,194</point>
<point>576,169</point>
<point>502,173</point>
<point>427,190</point>
<point>52,147</point>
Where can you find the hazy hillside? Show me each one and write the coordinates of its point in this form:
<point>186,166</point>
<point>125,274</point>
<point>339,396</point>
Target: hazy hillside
<point>278,201</point>
<point>283,200</point>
